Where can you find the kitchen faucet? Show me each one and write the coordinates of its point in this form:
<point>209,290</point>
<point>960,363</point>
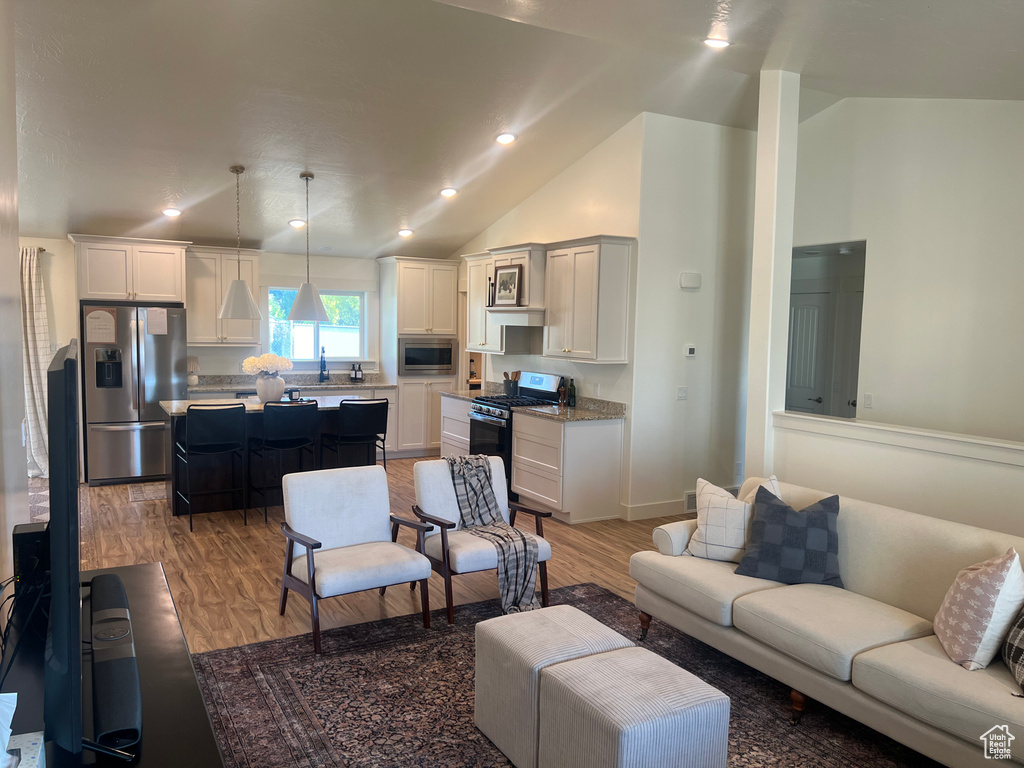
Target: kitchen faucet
<point>324,373</point>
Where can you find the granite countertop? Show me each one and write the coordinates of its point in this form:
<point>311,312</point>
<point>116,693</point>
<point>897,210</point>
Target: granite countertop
<point>288,385</point>
<point>563,413</point>
<point>252,404</point>
<point>589,409</point>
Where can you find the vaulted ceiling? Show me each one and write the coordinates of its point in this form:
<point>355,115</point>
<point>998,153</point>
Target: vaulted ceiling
<point>125,108</point>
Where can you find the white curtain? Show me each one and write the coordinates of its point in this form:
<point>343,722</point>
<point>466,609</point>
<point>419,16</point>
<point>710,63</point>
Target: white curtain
<point>35,336</point>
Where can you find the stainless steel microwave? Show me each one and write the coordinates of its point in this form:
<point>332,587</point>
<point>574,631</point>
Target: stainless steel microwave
<point>418,356</point>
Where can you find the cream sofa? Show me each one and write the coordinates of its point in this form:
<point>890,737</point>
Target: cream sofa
<point>868,650</point>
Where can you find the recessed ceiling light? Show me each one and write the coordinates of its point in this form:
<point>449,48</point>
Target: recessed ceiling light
<point>297,223</point>
<point>449,192</point>
<point>405,233</point>
<point>714,42</point>
<point>171,212</point>
<point>505,138</point>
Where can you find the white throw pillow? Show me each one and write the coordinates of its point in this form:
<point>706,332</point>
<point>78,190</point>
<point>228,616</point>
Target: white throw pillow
<point>723,522</point>
<point>979,609</point>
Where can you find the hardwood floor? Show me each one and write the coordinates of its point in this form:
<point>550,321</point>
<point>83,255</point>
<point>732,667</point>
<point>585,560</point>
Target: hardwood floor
<point>226,577</point>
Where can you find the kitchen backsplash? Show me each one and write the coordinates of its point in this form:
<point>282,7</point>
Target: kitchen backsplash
<point>290,379</point>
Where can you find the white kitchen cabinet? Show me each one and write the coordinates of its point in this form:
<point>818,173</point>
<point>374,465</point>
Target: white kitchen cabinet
<point>426,296</point>
<point>419,422</point>
<point>571,469</point>
<point>483,333</point>
<point>454,426</point>
<point>587,286</point>
<point>208,273</point>
<point>124,269</point>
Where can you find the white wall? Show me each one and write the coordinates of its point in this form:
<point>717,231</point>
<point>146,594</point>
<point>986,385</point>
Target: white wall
<point>13,468</point>
<point>695,216</point>
<point>287,270</point>
<point>936,189</point>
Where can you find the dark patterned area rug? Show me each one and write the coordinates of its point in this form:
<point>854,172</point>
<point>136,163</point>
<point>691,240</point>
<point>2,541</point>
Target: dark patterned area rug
<point>390,693</point>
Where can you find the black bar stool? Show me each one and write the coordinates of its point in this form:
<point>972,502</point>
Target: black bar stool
<point>211,430</point>
<point>286,427</point>
<point>360,422</point>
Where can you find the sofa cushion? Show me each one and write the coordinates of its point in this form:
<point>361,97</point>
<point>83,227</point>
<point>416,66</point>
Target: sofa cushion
<point>362,566</point>
<point>917,677</point>
<point>705,587</point>
<point>979,608</point>
<point>822,626</point>
<point>723,522</point>
<point>794,547</point>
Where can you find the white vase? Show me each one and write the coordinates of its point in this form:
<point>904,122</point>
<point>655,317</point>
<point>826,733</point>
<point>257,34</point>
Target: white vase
<point>269,388</point>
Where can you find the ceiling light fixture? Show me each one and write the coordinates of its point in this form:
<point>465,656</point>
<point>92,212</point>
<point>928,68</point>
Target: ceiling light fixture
<point>238,301</point>
<point>171,212</point>
<point>308,305</point>
<point>405,233</point>
<point>715,42</point>
<point>297,223</point>
<point>449,192</point>
<point>505,138</point>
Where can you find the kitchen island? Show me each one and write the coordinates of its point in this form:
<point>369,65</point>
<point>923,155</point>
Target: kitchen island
<point>213,472</point>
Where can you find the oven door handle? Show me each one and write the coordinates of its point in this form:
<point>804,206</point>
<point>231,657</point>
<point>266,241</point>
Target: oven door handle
<point>474,416</point>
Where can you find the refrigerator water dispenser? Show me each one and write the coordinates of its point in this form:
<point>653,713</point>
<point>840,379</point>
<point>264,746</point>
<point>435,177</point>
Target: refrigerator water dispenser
<point>108,368</point>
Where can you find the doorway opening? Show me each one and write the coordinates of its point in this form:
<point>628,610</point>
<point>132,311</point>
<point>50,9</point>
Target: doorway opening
<point>826,303</point>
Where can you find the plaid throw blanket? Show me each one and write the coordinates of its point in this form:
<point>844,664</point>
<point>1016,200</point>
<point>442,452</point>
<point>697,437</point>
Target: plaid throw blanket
<point>517,551</point>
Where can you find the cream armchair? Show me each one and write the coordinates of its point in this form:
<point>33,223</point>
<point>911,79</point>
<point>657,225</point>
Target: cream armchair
<point>454,551</point>
<point>343,516</point>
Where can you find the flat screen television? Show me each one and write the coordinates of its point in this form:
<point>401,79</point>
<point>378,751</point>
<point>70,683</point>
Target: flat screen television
<point>63,687</point>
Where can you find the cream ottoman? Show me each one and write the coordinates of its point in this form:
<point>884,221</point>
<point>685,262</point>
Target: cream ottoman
<point>630,708</point>
<point>510,653</point>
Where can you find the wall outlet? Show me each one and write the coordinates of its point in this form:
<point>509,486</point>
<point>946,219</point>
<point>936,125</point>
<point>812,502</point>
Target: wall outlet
<point>597,390</point>
<point>739,469</point>
<point>681,393</point>
<point>869,400</point>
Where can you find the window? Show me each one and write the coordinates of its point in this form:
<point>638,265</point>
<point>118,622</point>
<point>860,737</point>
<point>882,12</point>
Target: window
<point>342,336</point>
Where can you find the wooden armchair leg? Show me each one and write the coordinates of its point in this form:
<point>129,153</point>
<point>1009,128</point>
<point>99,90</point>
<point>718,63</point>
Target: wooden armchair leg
<point>382,591</point>
<point>284,598</point>
<point>412,586</point>
<point>645,624</point>
<point>314,612</point>
<point>425,601</point>
<point>799,704</point>
<point>543,568</point>
<point>289,549</point>
<point>449,598</point>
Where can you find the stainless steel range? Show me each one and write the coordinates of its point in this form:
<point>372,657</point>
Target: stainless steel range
<point>490,418</point>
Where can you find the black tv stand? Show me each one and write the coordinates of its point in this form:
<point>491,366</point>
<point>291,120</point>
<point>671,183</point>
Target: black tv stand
<point>176,727</point>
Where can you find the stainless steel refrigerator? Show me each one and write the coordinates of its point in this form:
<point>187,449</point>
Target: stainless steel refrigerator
<point>133,357</point>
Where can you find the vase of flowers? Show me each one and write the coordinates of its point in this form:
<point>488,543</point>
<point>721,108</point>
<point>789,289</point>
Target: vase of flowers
<point>269,385</point>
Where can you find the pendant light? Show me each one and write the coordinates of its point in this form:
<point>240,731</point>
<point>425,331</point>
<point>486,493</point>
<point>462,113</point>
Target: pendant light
<point>238,302</point>
<point>308,305</point>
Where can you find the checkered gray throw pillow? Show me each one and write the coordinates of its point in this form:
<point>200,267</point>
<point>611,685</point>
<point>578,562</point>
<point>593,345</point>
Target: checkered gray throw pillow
<point>793,547</point>
<point>1013,649</point>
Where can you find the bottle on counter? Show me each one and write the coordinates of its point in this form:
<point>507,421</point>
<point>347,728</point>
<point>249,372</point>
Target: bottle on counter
<point>352,374</point>
<point>570,397</point>
<point>359,372</point>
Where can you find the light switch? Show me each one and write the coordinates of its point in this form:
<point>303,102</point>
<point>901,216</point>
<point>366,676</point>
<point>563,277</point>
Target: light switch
<point>869,400</point>
<point>681,393</point>
<point>689,280</point>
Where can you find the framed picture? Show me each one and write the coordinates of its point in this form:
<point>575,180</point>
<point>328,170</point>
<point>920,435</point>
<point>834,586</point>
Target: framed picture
<point>508,285</point>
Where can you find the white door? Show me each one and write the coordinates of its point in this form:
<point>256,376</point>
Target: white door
<point>105,272</point>
<point>413,426</point>
<point>413,297</point>
<point>159,270</point>
<point>238,331</point>
<point>583,318</point>
<point>434,390</point>
<point>444,283</point>
<point>203,297</point>
<point>558,291</point>
<point>807,388</point>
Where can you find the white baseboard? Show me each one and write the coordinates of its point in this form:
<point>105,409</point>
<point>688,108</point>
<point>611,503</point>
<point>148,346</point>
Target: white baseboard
<point>656,509</point>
